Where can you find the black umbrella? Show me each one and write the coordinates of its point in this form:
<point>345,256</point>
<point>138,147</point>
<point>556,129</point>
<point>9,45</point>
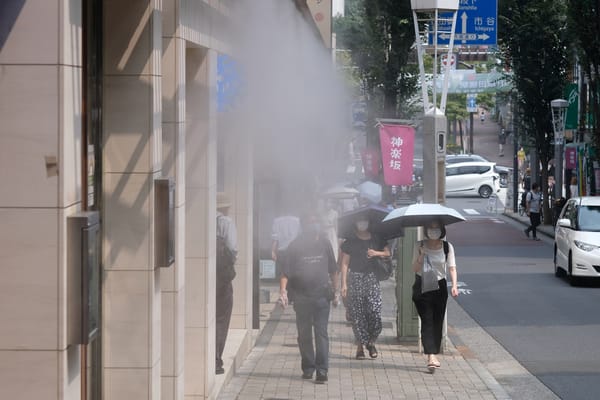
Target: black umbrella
<point>375,214</point>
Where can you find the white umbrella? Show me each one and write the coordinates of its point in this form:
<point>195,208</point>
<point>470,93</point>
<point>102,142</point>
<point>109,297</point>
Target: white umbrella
<point>370,191</point>
<point>420,215</point>
<point>341,192</point>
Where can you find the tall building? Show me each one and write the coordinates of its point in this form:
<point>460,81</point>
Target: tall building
<point>108,280</point>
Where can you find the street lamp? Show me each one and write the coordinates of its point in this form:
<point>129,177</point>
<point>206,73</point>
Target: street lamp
<point>434,21</point>
<point>559,110</point>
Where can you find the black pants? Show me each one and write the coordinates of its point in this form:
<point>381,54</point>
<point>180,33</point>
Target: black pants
<point>534,219</point>
<point>431,307</point>
<point>223,317</point>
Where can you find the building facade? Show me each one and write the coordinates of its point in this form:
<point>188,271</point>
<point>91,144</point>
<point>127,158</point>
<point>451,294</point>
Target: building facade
<point>99,99</point>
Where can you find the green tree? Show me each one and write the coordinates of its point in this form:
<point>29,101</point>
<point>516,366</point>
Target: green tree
<point>532,38</point>
<point>584,28</point>
<point>379,35</point>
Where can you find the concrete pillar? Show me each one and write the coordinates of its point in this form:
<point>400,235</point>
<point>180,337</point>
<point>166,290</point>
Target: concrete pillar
<point>131,161</point>
<point>407,317</point>
<point>200,217</point>
<point>40,164</point>
<point>238,183</point>
<point>173,150</point>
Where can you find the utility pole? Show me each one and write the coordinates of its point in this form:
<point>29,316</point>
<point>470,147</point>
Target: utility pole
<point>471,119</point>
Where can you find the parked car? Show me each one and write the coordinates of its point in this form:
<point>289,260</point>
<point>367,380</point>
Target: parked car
<point>499,169</point>
<point>459,158</point>
<point>471,178</point>
<point>577,239</point>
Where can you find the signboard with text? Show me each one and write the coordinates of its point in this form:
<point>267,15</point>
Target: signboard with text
<point>476,24</point>
<point>572,96</point>
<point>476,83</point>
<point>397,153</point>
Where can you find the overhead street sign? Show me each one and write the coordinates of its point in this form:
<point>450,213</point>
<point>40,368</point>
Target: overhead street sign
<point>476,24</point>
<point>492,82</point>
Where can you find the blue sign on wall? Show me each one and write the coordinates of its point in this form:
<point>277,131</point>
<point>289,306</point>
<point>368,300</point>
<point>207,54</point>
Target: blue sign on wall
<point>476,24</point>
<point>228,82</point>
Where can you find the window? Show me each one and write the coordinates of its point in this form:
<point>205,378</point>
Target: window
<point>589,218</point>
<point>451,171</point>
<point>468,169</point>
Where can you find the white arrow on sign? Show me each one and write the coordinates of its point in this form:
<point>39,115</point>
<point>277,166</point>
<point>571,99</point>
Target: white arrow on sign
<point>464,36</point>
<point>464,18</point>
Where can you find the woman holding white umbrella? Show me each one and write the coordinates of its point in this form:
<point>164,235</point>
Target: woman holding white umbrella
<point>433,258</point>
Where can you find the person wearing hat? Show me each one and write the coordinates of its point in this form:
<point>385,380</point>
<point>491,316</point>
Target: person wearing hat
<point>226,257</point>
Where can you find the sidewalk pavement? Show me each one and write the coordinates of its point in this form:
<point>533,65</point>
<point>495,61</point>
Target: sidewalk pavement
<point>272,369</point>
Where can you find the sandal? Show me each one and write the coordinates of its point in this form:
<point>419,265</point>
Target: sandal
<point>360,353</point>
<point>372,350</point>
<point>432,366</point>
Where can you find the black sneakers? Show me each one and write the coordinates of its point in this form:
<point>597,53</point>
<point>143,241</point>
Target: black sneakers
<point>321,378</point>
<point>307,375</point>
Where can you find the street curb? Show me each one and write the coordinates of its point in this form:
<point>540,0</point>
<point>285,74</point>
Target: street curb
<point>488,379</point>
<point>480,369</point>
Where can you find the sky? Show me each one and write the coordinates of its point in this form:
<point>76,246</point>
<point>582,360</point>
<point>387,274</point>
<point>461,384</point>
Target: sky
<point>338,7</point>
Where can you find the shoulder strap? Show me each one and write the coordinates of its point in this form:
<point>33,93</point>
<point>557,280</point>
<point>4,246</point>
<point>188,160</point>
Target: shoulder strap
<point>446,249</point>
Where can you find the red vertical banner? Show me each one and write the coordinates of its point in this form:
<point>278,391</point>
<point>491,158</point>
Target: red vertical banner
<point>397,153</point>
<point>370,160</point>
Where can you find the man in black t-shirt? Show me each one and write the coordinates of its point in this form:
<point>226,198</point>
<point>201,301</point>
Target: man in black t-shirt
<point>309,273</point>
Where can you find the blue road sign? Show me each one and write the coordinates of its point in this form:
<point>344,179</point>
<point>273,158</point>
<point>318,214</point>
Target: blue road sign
<point>476,24</point>
<point>471,103</point>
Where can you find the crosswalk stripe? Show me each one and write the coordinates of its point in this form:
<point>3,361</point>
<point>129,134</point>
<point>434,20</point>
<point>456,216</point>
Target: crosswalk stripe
<point>471,211</point>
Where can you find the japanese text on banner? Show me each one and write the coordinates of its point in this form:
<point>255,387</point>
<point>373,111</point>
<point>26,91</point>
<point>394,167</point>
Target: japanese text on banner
<point>397,153</point>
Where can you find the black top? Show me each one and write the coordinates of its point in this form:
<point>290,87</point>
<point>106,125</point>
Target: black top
<point>357,250</point>
<point>308,264</point>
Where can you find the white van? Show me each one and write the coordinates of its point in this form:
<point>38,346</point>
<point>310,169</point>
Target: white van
<point>472,178</point>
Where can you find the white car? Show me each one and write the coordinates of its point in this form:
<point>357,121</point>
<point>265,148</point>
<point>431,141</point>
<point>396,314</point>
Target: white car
<point>577,239</point>
<point>500,170</point>
<point>472,178</point>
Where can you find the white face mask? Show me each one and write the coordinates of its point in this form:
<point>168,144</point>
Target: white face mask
<point>434,233</point>
<point>362,225</point>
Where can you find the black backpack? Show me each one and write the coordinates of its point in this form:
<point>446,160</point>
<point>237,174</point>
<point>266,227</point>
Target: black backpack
<point>524,199</point>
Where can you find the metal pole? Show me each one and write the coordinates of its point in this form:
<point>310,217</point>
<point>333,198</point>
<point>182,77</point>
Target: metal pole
<point>558,184</point>
<point>471,151</point>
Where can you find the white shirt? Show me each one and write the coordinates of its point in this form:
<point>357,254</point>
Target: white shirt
<point>437,258</point>
<point>349,205</point>
<point>226,230</point>
<point>534,199</point>
<point>285,229</point>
